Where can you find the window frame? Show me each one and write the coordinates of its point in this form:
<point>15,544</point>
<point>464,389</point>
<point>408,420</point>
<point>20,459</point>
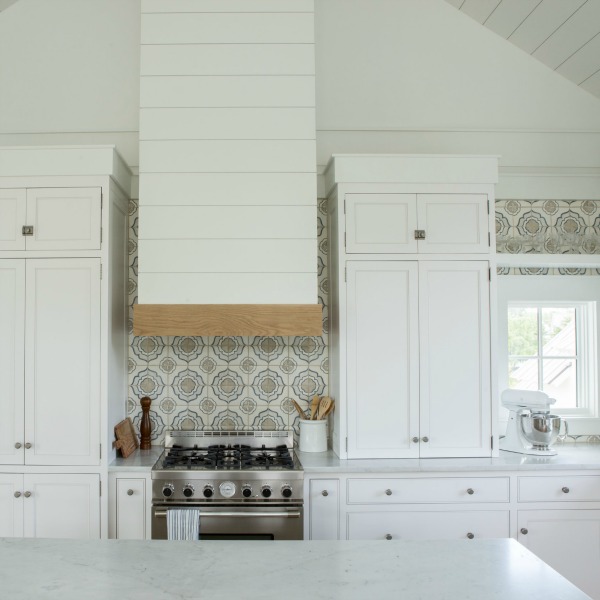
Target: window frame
<point>554,290</point>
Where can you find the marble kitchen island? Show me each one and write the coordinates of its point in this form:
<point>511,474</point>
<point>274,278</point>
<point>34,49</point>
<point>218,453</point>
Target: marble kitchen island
<point>161,570</point>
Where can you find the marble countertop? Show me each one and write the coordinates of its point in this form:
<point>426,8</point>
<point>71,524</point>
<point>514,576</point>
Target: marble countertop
<point>140,460</point>
<point>161,570</point>
<point>575,456</point>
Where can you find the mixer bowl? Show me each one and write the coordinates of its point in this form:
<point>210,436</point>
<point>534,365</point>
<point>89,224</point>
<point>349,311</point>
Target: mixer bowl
<point>540,429</point>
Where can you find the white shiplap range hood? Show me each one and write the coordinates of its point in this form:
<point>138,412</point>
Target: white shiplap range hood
<point>227,222</point>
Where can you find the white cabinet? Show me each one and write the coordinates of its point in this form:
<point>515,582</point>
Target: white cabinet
<point>50,505</point>
<point>50,219</point>
<point>54,314</point>
<point>559,521</point>
<point>568,540</point>
<point>63,336</point>
<point>130,505</point>
<point>418,359</point>
<point>13,215</point>
<point>425,223</point>
<point>411,268</point>
<point>324,509</point>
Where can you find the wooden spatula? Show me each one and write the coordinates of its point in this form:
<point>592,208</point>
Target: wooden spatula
<point>324,406</point>
<point>314,405</point>
<point>299,409</point>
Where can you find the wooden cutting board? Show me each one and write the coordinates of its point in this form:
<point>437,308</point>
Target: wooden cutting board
<point>126,438</point>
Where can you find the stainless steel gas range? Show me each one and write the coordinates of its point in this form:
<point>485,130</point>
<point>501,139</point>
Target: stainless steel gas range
<point>246,485</point>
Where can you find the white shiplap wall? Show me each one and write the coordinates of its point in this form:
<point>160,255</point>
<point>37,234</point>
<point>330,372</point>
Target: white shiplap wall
<point>227,152</point>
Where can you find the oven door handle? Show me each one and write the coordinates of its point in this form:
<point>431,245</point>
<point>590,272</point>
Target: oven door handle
<point>161,514</point>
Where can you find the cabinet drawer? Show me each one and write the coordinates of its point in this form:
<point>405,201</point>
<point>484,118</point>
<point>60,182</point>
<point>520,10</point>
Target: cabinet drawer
<point>559,488</point>
<point>434,490</point>
<point>433,525</point>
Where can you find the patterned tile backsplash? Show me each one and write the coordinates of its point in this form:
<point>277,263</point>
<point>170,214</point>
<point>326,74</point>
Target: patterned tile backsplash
<point>247,383</point>
<point>226,383</point>
<point>548,226</point>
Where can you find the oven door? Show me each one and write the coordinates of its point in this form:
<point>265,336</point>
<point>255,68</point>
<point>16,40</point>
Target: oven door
<point>235,522</point>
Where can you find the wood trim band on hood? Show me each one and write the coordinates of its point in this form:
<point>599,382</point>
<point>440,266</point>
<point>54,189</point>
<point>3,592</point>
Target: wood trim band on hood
<point>227,319</point>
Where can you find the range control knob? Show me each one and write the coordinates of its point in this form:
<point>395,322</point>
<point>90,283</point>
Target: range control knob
<point>188,490</point>
<point>208,491</point>
<point>266,491</point>
<point>246,490</point>
<point>286,491</point>
<point>168,490</point>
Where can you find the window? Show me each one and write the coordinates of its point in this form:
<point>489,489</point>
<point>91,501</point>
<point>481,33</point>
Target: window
<point>547,339</point>
<point>545,345</point>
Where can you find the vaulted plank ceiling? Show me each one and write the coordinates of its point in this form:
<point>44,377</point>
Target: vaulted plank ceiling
<point>563,34</point>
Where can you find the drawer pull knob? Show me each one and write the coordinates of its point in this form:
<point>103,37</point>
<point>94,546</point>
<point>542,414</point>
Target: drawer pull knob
<point>470,491</point>
<point>524,531</point>
<point>130,492</point>
<point>17,494</point>
<point>324,493</point>
<point>566,490</point>
<point>28,445</point>
<point>470,535</point>
<point>425,439</point>
<point>27,494</point>
<point>388,492</point>
<point>415,440</point>
<point>18,445</point>
<point>388,536</point>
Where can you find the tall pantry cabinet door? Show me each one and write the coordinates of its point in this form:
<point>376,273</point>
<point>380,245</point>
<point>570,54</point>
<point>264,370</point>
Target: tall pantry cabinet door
<point>12,219</point>
<point>62,506</point>
<point>455,358</point>
<point>11,506</point>
<point>383,371</point>
<point>64,218</point>
<point>12,357</point>
<point>62,389</point>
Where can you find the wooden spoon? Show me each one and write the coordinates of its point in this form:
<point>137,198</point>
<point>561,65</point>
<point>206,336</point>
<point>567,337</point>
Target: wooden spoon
<point>299,409</point>
<point>314,405</point>
<point>324,407</point>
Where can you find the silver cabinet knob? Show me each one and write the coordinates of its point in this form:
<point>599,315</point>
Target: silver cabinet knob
<point>18,445</point>
<point>524,531</point>
<point>27,494</point>
<point>324,493</point>
<point>470,491</point>
<point>470,535</point>
<point>28,446</point>
<point>17,494</point>
<point>415,440</point>
<point>130,492</point>
<point>566,490</point>
<point>425,439</point>
<point>388,536</point>
<point>388,492</point>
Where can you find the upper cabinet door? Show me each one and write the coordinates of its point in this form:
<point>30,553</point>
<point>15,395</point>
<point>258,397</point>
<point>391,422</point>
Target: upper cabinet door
<point>454,336</point>
<point>12,376</point>
<point>64,218</point>
<point>381,223</point>
<point>12,219</point>
<point>62,382</point>
<point>453,223</point>
<point>383,367</point>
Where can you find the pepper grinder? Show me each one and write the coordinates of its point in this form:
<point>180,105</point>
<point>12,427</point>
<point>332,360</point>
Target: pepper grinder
<point>145,424</point>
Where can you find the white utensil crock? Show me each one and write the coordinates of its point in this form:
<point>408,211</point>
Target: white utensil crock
<point>313,435</point>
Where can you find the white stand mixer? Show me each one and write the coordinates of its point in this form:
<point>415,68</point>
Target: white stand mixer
<point>521,437</point>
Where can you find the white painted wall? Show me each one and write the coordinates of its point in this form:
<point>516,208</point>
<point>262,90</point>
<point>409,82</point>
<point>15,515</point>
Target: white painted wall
<point>419,76</point>
<point>69,73</point>
<point>392,76</point>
